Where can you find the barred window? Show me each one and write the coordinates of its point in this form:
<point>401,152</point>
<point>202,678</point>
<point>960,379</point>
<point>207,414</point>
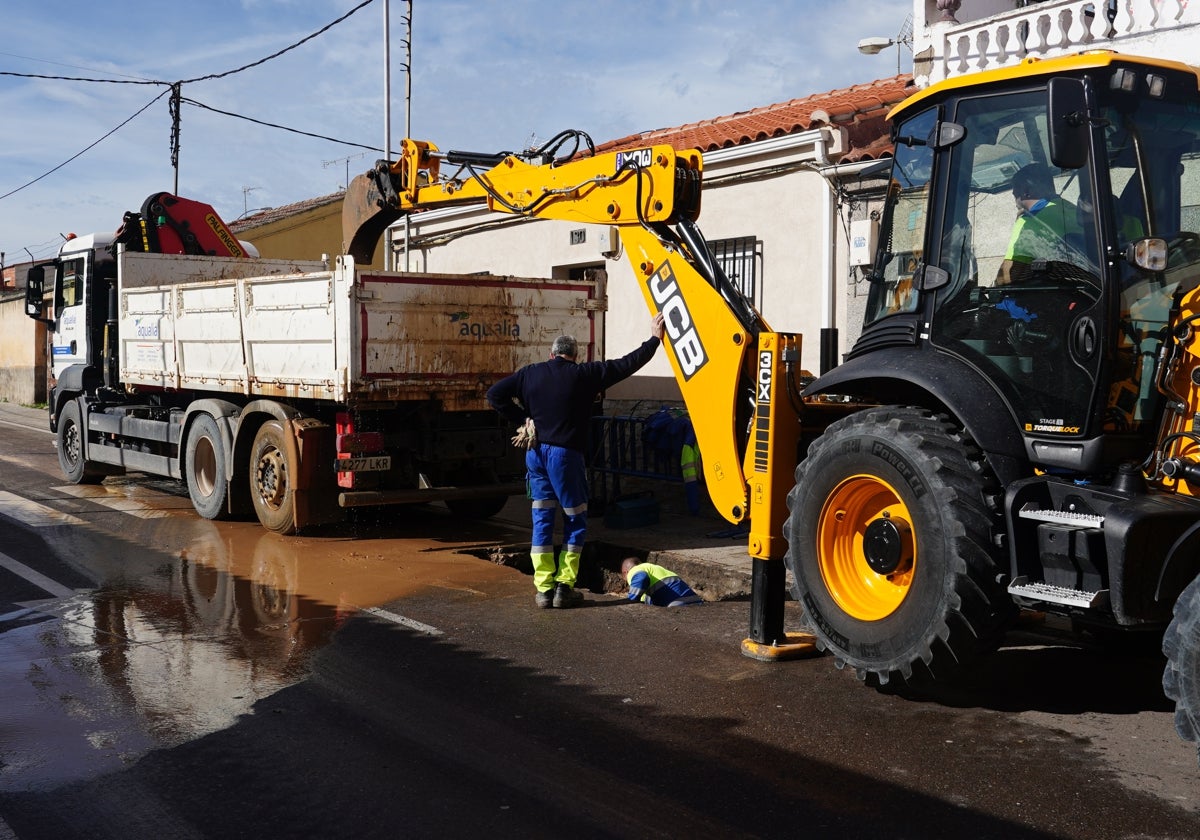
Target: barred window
<point>739,258</point>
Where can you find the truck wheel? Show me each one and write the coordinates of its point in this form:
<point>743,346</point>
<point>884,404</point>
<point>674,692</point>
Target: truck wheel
<point>890,545</point>
<point>270,484</point>
<point>204,466</point>
<point>1181,677</point>
<point>70,448</point>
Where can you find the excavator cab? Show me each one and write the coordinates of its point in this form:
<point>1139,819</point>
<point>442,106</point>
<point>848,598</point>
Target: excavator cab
<point>1028,289</point>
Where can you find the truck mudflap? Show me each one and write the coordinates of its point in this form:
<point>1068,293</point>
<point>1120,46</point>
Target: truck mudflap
<point>369,498</point>
<point>310,446</point>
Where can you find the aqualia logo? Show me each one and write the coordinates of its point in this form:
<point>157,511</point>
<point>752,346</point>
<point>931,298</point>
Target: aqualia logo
<point>145,329</point>
<point>505,328</point>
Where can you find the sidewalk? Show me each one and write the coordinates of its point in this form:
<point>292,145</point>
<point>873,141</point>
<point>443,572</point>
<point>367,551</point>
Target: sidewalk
<point>15,413</point>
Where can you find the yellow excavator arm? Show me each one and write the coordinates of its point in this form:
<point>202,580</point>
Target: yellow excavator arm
<point>738,379</point>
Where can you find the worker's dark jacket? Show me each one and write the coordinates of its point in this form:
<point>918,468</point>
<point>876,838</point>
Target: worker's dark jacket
<point>558,394</point>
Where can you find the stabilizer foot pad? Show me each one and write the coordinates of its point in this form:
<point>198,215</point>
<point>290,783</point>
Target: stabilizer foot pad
<point>796,646</point>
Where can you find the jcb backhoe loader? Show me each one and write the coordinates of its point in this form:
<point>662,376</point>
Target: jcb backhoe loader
<point>1016,426</point>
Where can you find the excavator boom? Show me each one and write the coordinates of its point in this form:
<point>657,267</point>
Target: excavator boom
<point>725,358</point>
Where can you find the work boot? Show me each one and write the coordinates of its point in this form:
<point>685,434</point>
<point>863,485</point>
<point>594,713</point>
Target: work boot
<point>544,600</point>
<point>565,597</point>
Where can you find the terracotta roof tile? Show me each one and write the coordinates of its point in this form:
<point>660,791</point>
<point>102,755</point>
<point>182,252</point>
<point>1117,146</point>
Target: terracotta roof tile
<point>274,214</point>
<point>861,109</point>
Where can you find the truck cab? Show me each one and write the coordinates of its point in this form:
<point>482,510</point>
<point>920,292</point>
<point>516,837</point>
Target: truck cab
<point>84,274</point>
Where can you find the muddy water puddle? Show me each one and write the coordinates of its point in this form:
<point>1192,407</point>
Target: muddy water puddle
<point>196,624</point>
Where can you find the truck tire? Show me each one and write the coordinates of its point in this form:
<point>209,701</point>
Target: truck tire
<point>270,482</point>
<point>70,447</point>
<point>1181,676</point>
<point>889,537</point>
<point>204,467</point>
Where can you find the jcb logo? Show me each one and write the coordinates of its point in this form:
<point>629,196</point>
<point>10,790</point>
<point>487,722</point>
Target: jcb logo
<point>764,377</point>
<point>685,341</point>
<point>641,158</point>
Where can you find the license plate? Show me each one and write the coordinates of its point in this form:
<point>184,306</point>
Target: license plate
<point>372,463</point>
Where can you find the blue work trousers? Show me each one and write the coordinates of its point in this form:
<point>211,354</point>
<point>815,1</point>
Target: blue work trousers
<point>557,478</point>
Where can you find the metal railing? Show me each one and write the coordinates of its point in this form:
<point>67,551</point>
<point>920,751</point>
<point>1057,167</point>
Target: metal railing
<point>620,450</point>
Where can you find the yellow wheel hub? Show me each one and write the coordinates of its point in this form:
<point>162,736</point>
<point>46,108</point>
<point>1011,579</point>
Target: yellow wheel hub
<point>867,547</point>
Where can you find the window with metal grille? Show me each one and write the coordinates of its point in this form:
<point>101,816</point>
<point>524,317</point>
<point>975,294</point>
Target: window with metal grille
<point>739,258</point>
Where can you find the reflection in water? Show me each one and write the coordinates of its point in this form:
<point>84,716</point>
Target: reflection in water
<point>178,654</point>
<point>199,651</point>
<point>162,654</point>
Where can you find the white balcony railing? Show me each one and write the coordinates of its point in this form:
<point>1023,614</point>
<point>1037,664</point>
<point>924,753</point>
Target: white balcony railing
<point>1159,28</point>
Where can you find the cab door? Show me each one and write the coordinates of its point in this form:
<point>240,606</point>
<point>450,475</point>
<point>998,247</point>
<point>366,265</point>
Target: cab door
<point>1037,334</point>
<point>70,341</point>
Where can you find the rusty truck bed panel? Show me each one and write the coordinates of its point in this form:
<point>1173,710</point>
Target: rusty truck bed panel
<point>298,330</point>
<point>451,336</point>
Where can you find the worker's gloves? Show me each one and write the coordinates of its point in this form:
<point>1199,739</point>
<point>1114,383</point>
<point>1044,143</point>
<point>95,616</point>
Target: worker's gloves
<point>526,436</point>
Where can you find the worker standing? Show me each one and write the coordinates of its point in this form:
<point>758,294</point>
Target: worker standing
<point>552,401</point>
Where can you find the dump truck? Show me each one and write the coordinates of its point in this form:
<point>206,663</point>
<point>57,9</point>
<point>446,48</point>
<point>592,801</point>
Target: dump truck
<point>290,390</point>
<point>1011,429</point>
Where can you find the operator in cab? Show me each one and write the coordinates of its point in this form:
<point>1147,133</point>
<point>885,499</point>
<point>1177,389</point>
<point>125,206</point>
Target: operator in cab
<point>1045,228</point>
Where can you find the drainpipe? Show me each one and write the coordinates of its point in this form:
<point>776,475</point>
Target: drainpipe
<point>829,331</point>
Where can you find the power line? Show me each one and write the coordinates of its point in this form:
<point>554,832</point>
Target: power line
<point>280,127</point>
<point>80,78</point>
<point>72,66</point>
<point>206,78</point>
<point>174,89</point>
<point>320,31</point>
<point>86,148</point>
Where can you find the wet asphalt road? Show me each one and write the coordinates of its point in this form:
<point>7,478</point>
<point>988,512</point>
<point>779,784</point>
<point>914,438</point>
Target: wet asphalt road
<point>162,676</point>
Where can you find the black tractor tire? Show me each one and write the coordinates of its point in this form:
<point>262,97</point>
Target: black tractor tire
<point>890,546</point>
<point>1181,676</point>
<point>204,468</point>
<point>70,442</point>
<point>271,487</point>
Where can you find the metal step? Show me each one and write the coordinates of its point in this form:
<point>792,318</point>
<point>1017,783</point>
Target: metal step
<point>1048,593</point>
<point>1062,517</point>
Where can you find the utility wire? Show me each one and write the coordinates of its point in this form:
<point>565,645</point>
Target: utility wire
<point>72,66</point>
<point>275,125</point>
<point>174,88</point>
<point>320,31</point>
<point>87,148</point>
<point>80,78</point>
<point>209,77</point>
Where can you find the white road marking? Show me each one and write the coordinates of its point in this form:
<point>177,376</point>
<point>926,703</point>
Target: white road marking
<point>399,619</point>
<point>28,428</point>
<point>35,577</point>
<point>34,514</point>
<point>103,496</point>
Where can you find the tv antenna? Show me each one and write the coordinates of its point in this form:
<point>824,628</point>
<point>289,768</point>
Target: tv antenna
<point>325,164</point>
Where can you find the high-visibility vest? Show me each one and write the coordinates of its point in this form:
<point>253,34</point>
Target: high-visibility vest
<point>689,462</point>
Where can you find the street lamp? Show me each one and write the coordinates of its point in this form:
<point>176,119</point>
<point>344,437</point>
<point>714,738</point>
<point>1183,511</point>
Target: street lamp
<point>876,45</point>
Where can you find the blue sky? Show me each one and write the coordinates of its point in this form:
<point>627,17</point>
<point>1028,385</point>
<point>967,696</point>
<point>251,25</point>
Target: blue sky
<point>487,76</point>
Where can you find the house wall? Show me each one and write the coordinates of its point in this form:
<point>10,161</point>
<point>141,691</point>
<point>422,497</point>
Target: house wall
<point>305,235</point>
<point>23,350</point>
<point>784,212</point>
